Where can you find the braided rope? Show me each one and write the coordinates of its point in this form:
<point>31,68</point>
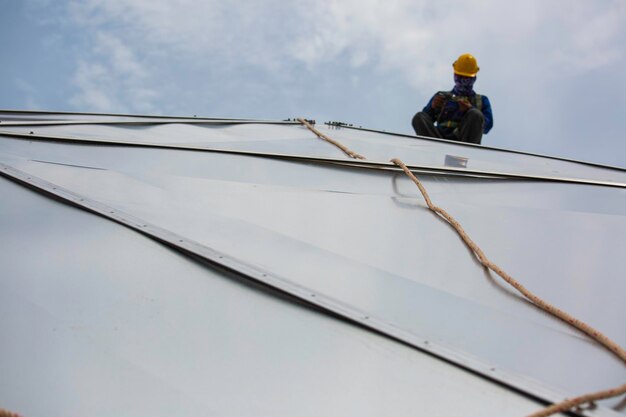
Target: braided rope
<point>549,308</point>
<point>6,413</point>
<point>596,335</point>
<point>319,134</point>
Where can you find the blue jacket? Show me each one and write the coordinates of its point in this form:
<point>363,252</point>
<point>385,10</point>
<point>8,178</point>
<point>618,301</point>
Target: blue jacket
<point>451,114</point>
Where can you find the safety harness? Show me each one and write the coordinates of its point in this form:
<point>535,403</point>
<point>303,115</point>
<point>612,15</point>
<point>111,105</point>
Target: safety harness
<point>476,100</point>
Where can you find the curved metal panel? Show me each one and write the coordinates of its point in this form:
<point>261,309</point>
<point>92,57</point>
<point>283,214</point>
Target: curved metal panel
<point>99,321</point>
<point>364,239</point>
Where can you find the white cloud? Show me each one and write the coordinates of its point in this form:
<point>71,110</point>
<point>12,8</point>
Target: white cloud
<point>593,33</point>
<point>113,79</point>
<point>419,40</point>
<point>29,93</point>
<point>92,81</point>
<point>395,35</point>
<point>160,55</point>
<point>121,58</point>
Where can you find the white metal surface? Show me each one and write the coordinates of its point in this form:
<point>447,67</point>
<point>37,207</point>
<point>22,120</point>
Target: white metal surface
<point>364,238</point>
<point>98,320</point>
<point>290,139</point>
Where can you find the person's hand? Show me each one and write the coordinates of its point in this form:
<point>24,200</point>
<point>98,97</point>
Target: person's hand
<point>464,104</point>
<point>438,101</point>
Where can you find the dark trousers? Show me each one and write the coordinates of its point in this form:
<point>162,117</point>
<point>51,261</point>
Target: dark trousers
<point>470,128</point>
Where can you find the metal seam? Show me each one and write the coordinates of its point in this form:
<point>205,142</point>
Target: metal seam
<point>143,122</point>
<point>12,111</point>
<point>491,148</point>
<point>349,163</point>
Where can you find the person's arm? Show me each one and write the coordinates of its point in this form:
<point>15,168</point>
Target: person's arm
<point>488,115</point>
<point>428,108</point>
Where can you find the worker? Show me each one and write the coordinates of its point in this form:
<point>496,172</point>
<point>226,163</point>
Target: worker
<point>460,114</point>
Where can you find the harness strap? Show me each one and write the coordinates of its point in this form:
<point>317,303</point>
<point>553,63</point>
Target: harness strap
<point>476,100</point>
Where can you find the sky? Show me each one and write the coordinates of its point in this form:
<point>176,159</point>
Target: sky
<point>552,69</point>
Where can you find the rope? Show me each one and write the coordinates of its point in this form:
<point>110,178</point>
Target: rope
<point>319,134</point>
<point>549,308</point>
<point>596,335</point>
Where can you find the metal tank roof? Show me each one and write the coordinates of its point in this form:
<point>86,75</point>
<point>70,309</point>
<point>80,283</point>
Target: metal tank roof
<point>167,265</point>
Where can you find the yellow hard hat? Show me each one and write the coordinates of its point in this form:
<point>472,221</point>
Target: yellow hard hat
<point>466,66</point>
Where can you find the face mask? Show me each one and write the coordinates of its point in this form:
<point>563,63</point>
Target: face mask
<point>463,86</point>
